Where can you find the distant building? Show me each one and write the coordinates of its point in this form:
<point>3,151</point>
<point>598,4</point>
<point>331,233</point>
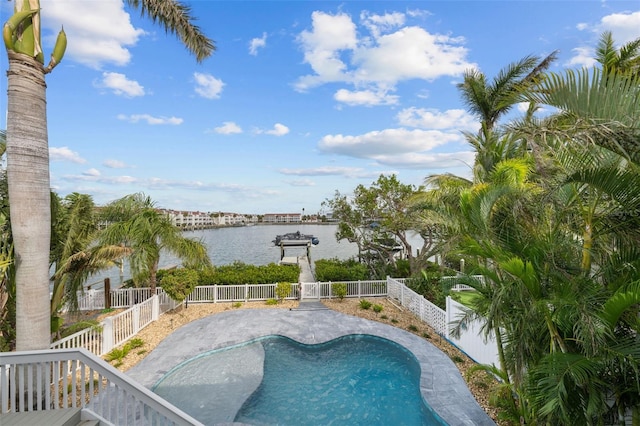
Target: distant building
<point>282,218</point>
<point>190,220</point>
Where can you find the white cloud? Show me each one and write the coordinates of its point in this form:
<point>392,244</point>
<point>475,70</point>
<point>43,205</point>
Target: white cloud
<point>257,43</point>
<point>228,128</point>
<point>428,161</point>
<point>337,51</point>
<point>301,182</point>
<point>582,57</point>
<point>624,28</point>
<point>278,130</point>
<point>134,118</point>
<point>348,172</point>
<point>120,85</point>
<point>382,23</point>
<point>365,97</point>
<point>65,154</point>
<point>330,35</point>
<point>114,164</point>
<point>207,85</point>
<point>386,142</point>
<point>92,172</point>
<point>99,32</point>
<point>433,119</point>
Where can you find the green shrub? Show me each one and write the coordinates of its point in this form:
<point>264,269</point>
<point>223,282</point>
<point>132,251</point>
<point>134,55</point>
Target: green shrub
<point>340,270</point>
<point>412,328</point>
<point>79,326</point>
<point>457,358</point>
<point>428,284</point>
<point>118,354</point>
<point>241,273</point>
<point>365,304</point>
<point>384,317</point>
<point>377,308</point>
<point>271,302</point>
<point>179,283</point>
<point>339,290</point>
<point>136,342</point>
<point>283,290</point>
<point>236,304</point>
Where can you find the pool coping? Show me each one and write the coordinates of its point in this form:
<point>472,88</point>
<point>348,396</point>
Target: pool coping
<point>441,383</point>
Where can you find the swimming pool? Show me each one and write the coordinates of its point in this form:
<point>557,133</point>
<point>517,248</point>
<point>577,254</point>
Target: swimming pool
<point>351,380</point>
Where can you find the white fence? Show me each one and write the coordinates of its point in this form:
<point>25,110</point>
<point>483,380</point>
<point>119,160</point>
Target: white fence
<point>471,340</point>
<point>117,329</point>
<point>43,381</point>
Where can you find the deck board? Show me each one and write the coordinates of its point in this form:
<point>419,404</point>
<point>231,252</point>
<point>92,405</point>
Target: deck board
<point>61,417</point>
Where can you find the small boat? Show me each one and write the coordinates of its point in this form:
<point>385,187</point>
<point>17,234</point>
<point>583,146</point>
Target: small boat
<point>295,237</point>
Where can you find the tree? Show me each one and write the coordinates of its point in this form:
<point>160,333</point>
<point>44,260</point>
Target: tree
<point>490,101</point>
<point>74,252</point>
<point>135,223</point>
<point>625,60</point>
<point>558,253</point>
<point>27,150</point>
<point>378,219</point>
<point>179,284</point>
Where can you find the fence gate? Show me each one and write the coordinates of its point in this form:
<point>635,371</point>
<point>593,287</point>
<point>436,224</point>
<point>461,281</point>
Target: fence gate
<point>310,291</point>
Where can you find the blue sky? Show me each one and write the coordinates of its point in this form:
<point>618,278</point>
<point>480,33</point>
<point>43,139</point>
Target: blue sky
<point>301,98</point>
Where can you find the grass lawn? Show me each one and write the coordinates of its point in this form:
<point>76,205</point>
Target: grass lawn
<point>464,297</point>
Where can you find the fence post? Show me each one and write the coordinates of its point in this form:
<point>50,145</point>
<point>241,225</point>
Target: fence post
<point>447,316</point>
<point>246,293</point>
<point>215,293</point>
<point>107,293</point>
<point>359,290</point>
<point>135,318</point>
<point>155,308</point>
<point>107,335</point>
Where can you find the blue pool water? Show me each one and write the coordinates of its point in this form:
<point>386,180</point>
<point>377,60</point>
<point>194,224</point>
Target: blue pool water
<point>352,380</point>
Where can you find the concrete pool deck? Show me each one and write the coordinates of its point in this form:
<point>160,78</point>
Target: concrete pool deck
<point>441,384</point>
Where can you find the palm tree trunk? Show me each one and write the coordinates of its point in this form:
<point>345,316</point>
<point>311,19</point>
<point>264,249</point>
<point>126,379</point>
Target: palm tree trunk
<point>29,198</point>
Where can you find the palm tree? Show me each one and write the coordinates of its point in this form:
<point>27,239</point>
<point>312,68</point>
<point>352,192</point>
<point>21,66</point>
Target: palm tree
<point>625,60</point>
<point>491,101</point>
<point>135,223</point>
<point>601,164</point>
<point>28,156</point>
<point>73,250</point>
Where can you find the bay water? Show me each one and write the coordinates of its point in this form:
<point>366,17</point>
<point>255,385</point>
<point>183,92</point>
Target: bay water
<point>252,245</point>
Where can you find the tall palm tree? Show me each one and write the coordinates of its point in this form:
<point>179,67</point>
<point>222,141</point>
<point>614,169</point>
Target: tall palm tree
<point>136,224</point>
<point>625,59</point>
<point>74,252</point>
<point>27,149</point>
<point>601,163</point>
<point>492,100</point>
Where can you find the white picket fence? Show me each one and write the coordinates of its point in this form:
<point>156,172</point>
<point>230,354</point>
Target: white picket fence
<point>116,330</point>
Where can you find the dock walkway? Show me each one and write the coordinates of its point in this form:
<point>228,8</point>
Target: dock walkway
<point>306,274</point>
